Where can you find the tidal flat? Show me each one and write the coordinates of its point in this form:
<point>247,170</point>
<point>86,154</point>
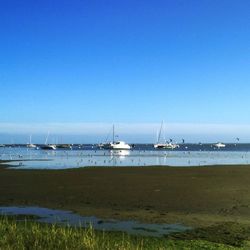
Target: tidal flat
<point>215,200</point>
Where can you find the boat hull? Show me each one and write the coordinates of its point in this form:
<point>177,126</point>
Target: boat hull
<point>116,146</point>
<point>166,146</point>
<point>48,147</point>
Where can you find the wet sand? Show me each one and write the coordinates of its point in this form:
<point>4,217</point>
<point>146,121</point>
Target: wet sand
<point>195,196</point>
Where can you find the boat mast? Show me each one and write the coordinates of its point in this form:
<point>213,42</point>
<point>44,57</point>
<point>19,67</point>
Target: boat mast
<point>47,138</point>
<point>159,135</point>
<point>113,133</point>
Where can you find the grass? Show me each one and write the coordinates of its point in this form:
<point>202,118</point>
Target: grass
<point>230,233</point>
<point>32,235</point>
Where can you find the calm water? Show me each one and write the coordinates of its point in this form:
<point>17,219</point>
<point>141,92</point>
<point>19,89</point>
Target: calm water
<point>141,155</point>
<point>69,218</point>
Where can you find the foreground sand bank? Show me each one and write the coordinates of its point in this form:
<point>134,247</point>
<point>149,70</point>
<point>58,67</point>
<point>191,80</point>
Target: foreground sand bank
<point>197,196</point>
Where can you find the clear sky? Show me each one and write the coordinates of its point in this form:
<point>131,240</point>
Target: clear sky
<point>109,61</point>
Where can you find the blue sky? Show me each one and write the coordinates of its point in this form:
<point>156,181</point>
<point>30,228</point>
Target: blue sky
<point>136,62</point>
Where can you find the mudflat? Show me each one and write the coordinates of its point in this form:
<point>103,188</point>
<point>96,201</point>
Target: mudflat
<point>196,196</point>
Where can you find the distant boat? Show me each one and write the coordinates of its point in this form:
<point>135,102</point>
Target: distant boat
<point>167,145</point>
<point>115,144</point>
<point>220,145</point>
<point>30,145</point>
<point>164,145</point>
<point>120,145</point>
<point>64,146</point>
<point>48,146</point>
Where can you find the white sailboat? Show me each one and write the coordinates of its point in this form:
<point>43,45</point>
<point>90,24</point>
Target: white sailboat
<point>116,145</point>
<point>220,145</point>
<point>31,145</point>
<point>165,144</point>
<point>120,145</point>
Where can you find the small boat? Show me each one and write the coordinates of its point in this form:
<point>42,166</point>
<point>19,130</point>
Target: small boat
<point>31,145</point>
<point>220,145</point>
<point>165,144</point>
<point>115,144</point>
<point>48,146</point>
<point>119,145</point>
<point>64,146</point>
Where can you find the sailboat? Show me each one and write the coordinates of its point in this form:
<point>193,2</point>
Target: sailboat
<point>165,144</point>
<point>115,144</point>
<point>220,145</point>
<point>48,146</point>
<point>30,145</point>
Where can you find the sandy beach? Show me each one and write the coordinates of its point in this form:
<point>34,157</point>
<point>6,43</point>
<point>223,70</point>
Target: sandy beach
<point>194,196</point>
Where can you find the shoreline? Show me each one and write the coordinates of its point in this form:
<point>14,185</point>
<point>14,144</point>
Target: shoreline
<point>193,196</point>
<point>4,164</point>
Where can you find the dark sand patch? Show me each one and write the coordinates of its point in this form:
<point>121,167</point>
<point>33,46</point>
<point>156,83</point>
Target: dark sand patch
<point>197,196</point>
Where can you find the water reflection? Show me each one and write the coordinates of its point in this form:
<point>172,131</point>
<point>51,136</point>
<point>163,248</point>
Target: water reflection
<point>120,153</point>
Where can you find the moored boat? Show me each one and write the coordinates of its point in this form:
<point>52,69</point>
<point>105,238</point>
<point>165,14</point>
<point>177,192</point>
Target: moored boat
<point>115,145</point>
<point>48,147</point>
<point>30,144</point>
<point>168,145</point>
<point>64,146</point>
<point>220,145</point>
<point>165,144</point>
<point>119,145</point>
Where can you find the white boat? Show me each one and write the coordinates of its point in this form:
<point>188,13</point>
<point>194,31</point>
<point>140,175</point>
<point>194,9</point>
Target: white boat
<point>220,145</point>
<point>165,144</point>
<point>119,145</point>
<point>31,145</point>
<point>116,145</point>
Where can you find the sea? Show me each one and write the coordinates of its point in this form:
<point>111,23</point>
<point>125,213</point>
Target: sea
<point>142,155</point>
